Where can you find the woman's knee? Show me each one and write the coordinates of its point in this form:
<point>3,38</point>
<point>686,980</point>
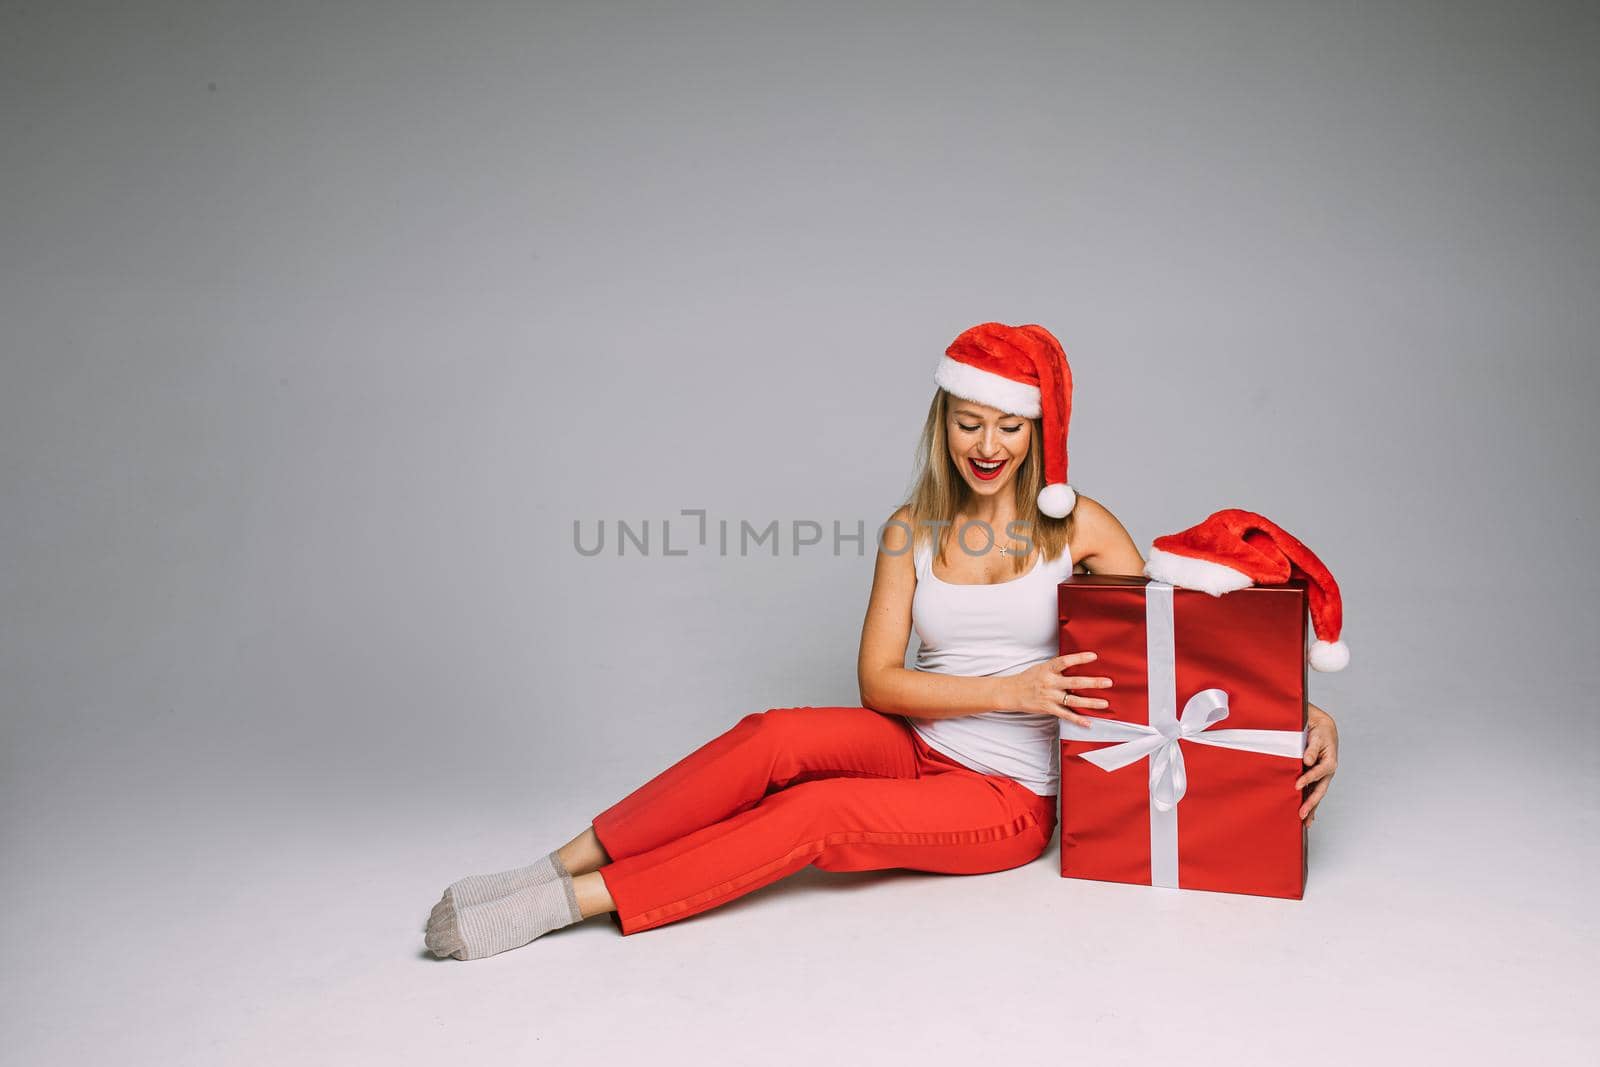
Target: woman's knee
<point>775,730</point>
<point>775,720</point>
<point>809,740</point>
<point>760,721</point>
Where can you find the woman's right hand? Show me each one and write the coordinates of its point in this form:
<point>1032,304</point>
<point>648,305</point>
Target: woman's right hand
<point>1048,687</point>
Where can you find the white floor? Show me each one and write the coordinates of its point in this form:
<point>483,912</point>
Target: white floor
<point>1442,922</point>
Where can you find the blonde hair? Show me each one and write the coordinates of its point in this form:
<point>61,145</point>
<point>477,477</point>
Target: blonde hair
<point>938,491</point>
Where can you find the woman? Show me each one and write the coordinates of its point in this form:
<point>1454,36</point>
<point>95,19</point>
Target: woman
<point>950,767</point>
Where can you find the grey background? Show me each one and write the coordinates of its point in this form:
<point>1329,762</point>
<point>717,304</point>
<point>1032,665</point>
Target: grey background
<point>324,322</point>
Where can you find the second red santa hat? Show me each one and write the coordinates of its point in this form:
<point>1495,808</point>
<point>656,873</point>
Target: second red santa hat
<point>1235,549</point>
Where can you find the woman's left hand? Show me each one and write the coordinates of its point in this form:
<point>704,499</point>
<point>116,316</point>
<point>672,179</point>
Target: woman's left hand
<point>1321,759</point>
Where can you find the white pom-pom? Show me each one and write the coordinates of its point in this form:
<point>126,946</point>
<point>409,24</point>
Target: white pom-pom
<point>1329,656</point>
<point>1058,500</point>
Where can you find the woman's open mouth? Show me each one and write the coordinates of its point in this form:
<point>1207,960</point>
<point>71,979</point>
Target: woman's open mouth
<point>985,471</point>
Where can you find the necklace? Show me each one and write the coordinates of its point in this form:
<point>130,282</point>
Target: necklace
<point>1004,550</point>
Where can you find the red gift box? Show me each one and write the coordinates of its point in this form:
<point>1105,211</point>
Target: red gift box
<point>1187,779</point>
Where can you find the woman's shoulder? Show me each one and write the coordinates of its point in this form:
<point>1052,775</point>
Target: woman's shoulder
<point>1098,535</point>
<point>1090,518</point>
<point>895,536</point>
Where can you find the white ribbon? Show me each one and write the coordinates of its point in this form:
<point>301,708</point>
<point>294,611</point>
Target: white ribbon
<point>1160,740</point>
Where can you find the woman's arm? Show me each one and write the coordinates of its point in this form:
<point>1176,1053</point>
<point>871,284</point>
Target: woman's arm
<point>1321,760</point>
<point>1105,545</point>
<point>886,684</point>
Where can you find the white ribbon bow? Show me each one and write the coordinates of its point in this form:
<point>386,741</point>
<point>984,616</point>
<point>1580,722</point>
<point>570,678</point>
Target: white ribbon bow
<point>1168,782</point>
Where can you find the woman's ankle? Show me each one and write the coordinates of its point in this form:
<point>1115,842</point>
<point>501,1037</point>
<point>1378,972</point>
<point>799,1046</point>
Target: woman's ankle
<point>594,898</point>
<point>583,854</point>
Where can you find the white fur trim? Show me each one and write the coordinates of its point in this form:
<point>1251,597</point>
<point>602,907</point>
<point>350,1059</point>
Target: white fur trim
<point>1189,573</point>
<point>987,387</point>
<point>1329,656</point>
<point>1057,500</point>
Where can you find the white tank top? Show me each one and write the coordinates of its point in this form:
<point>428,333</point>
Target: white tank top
<point>992,630</point>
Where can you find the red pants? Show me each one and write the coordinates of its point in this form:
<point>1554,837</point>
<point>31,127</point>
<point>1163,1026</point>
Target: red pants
<point>846,789</point>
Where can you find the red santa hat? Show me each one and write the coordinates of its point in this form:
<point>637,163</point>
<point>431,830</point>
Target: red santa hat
<point>1234,549</point>
<point>1022,370</point>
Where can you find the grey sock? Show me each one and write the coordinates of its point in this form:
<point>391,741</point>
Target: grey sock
<point>479,888</point>
<point>508,922</point>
